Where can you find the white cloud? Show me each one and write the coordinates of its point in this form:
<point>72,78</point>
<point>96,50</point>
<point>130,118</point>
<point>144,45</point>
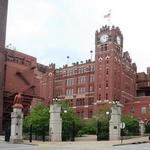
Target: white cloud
<point>53,29</point>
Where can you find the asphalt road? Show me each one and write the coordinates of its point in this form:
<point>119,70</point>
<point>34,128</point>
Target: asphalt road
<point>5,146</point>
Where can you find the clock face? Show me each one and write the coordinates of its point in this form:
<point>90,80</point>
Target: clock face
<point>104,38</point>
<point>118,40</point>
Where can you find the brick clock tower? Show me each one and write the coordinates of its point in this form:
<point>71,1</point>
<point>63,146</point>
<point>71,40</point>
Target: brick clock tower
<point>3,18</point>
<point>115,74</point>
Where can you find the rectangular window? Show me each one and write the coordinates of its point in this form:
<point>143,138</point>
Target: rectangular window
<point>81,70</point>
<point>80,102</point>
<point>90,101</point>
<point>106,83</point>
<point>91,78</point>
<point>81,90</point>
<point>102,48</point>
<point>99,96</point>
<point>91,68</point>
<point>81,79</point>
<point>69,92</point>
<point>70,82</point>
<point>91,89</point>
<point>105,47</point>
<point>143,110</point>
<point>106,95</point>
<point>107,71</point>
<point>69,72</point>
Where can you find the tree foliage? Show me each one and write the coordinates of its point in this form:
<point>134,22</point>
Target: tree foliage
<point>99,124</point>
<point>90,126</point>
<point>147,129</point>
<point>103,122</point>
<point>70,121</point>
<point>38,118</point>
<point>131,125</point>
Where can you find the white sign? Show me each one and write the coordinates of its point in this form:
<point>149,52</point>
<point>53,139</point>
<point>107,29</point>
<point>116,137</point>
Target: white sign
<point>122,125</point>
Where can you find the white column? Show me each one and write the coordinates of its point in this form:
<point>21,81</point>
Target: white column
<point>55,125</point>
<point>142,128</point>
<point>114,123</point>
<point>16,126</point>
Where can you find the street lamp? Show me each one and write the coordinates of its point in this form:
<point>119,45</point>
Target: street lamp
<point>65,111</point>
<point>107,112</point>
<point>55,100</point>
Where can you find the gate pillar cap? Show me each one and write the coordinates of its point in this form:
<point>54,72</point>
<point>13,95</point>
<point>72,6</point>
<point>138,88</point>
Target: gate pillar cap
<point>18,106</point>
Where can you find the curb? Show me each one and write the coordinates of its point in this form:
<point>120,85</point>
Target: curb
<point>132,143</point>
<point>31,144</point>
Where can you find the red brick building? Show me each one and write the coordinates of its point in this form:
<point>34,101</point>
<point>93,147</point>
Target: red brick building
<point>1,87</point>
<point>21,74</point>
<point>140,108</point>
<point>73,83</point>
<point>115,74</point>
<point>88,85</point>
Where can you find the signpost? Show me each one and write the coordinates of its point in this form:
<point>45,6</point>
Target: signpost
<point>122,126</point>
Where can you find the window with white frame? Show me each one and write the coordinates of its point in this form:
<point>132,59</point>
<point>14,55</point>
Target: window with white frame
<point>69,72</point>
<point>70,81</point>
<point>91,89</point>
<point>143,110</point>
<point>69,92</point>
<point>91,78</point>
<point>81,79</point>
<point>91,68</point>
<point>81,90</point>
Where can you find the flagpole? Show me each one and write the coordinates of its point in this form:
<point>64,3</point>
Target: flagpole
<point>108,17</point>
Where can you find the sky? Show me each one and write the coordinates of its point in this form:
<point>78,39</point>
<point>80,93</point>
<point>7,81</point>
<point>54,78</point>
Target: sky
<point>51,30</point>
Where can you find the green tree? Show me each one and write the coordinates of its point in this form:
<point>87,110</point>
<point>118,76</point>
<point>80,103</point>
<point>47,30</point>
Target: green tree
<point>38,118</point>
<point>147,127</point>
<point>70,121</point>
<point>103,125</point>
<point>90,126</point>
<point>99,124</point>
<point>131,125</point>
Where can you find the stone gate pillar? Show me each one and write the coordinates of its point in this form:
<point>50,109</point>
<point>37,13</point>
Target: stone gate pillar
<point>16,124</point>
<point>142,127</point>
<point>55,125</point>
<point>114,123</point>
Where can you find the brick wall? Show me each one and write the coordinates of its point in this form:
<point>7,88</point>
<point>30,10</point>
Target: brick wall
<point>1,87</point>
<point>140,108</point>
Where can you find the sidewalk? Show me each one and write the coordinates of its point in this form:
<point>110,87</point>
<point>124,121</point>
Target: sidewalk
<point>89,143</point>
<point>2,139</point>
